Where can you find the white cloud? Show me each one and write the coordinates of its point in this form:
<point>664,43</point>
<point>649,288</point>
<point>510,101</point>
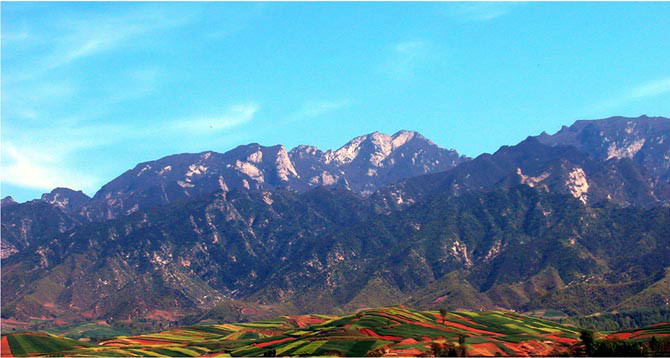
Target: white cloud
<point>642,91</point>
<point>43,158</point>
<point>234,116</point>
<point>479,11</point>
<point>406,57</point>
<point>131,85</point>
<point>12,37</point>
<point>75,38</point>
<point>33,168</point>
<point>28,99</point>
<point>92,36</point>
<point>651,88</point>
<point>312,109</point>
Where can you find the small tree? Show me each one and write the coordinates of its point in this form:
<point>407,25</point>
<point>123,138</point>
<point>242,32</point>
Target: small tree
<point>587,338</point>
<point>655,345</point>
<point>443,313</point>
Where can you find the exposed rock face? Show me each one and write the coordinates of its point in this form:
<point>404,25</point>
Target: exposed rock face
<point>264,224</point>
<point>29,224</point>
<point>363,165</point>
<point>556,169</point>
<point>577,184</point>
<point>644,140</point>
<point>618,159</point>
<point>66,199</point>
<point>329,248</point>
<point>369,162</point>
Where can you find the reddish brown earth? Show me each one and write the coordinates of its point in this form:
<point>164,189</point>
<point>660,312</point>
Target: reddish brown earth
<point>529,348</point>
<point>562,339</point>
<point>620,335</point>
<point>5,351</point>
<point>411,352</point>
<point>304,321</point>
<point>268,332</point>
<point>428,325</point>
<point>485,350</point>
<point>461,326</point>
<point>469,320</point>
<point>371,333</point>
<point>265,344</point>
<point>149,341</point>
<point>653,335</point>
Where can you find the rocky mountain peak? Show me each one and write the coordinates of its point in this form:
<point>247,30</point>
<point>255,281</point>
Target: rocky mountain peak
<point>373,148</point>
<point>66,199</point>
<point>8,200</point>
<point>363,165</point>
<point>644,139</point>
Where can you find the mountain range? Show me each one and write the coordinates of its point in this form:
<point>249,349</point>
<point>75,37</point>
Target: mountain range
<point>577,221</point>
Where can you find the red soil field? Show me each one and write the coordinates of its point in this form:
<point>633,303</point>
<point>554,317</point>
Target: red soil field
<point>529,348</point>
<point>149,341</point>
<point>306,320</point>
<point>371,333</point>
<point>265,344</point>
<point>561,339</point>
<point>485,349</point>
<point>469,320</point>
<point>653,335</point>
<point>620,335</point>
<point>458,325</point>
<point>411,352</point>
<point>5,351</point>
<point>300,324</point>
<point>268,332</point>
<point>446,329</point>
<point>461,326</point>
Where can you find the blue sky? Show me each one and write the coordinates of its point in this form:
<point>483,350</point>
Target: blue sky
<point>91,89</point>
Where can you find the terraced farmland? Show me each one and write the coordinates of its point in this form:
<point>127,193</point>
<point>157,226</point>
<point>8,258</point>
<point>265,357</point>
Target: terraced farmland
<point>390,331</point>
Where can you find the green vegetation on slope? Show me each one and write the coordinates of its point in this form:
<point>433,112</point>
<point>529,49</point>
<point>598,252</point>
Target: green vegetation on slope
<point>394,330</point>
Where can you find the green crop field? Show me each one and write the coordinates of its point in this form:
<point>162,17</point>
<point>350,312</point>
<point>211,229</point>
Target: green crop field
<point>396,330</point>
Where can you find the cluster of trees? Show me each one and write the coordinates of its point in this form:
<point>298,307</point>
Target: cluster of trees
<point>616,348</point>
<point>445,350</point>
<point>622,320</point>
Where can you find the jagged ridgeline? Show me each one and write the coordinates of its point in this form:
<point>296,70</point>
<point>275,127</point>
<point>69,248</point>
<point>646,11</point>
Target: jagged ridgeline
<point>576,223</point>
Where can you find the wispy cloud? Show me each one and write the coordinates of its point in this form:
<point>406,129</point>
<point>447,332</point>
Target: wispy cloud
<point>651,88</point>
<point>10,37</point>
<point>29,169</point>
<point>26,100</point>
<point>45,157</point>
<point>479,11</point>
<point>40,158</point>
<point>642,91</point>
<point>134,84</point>
<point>406,57</point>
<point>312,109</point>
<point>74,39</point>
<point>234,116</point>
<point>93,36</point>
